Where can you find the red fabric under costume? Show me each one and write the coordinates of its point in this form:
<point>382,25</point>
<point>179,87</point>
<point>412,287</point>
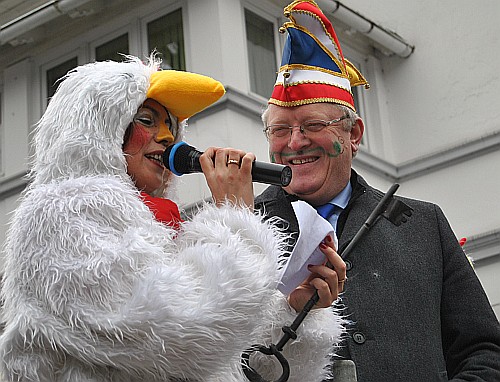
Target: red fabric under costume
<point>164,210</point>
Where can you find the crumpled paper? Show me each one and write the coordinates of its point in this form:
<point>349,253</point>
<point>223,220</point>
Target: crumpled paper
<point>313,230</point>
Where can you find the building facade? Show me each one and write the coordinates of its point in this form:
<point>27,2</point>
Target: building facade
<point>430,115</point>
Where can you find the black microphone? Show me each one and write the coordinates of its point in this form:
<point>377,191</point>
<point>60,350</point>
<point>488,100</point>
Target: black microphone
<point>182,158</point>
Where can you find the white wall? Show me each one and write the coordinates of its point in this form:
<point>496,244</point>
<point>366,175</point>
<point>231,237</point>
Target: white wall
<point>466,192</point>
<point>17,119</point>
<point>446,93</point>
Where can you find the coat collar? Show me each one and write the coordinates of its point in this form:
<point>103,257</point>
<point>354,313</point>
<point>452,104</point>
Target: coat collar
<point>363,200</point>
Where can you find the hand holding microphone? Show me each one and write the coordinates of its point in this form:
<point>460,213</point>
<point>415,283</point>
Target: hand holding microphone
<point>182,158</point>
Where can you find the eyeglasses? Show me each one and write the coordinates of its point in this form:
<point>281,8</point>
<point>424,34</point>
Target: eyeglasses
<point>281,130</point>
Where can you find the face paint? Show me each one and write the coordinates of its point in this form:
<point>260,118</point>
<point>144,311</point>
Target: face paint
<point>156,118</point>
<point>165,134</point>
<point>145,146</point>
<point>140,135</point>
<point>338,148</point>
<point>320,162</point>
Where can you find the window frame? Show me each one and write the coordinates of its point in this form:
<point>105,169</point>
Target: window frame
<point>268,13</point>
<point>94,44</point>
<point>83,47</point>
<point>272,24</point>
<point>144,20</point>
<point>358,59</point>
<point>44,68</point>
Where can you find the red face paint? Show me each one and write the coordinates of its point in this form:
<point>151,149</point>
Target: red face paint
<point>139,138</point>
<point>142,149</point>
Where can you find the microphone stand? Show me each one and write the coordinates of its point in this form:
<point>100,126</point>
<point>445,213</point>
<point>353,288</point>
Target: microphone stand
<point>392,209</point>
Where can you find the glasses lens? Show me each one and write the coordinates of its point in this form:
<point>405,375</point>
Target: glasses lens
<point>278,130</point>
<point>314,125</point>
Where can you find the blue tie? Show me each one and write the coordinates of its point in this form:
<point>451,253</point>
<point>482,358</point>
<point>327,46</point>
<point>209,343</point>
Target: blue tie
<point>326,210</point>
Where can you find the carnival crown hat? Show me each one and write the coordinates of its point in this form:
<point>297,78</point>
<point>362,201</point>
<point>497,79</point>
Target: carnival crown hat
<point>313,68</point>
<point>183,93</point>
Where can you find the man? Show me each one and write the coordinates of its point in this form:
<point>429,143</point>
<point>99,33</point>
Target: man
<point>416,308</point>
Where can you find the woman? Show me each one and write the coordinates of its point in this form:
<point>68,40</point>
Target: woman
<point>97,289</point>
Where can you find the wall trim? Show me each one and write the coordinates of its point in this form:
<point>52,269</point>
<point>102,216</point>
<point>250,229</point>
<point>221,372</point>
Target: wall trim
<point>12,185</point>
<point>483,246</point>
<point>248,104</point>
<point>429,163</point>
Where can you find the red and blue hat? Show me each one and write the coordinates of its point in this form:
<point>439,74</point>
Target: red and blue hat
<point>313,68</point>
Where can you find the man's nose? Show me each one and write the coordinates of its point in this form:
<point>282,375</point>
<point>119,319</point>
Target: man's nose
<point>297,139</point>
<point>164,135</point>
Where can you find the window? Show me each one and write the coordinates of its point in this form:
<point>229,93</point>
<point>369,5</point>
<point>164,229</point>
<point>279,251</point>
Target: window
<point>261,54</point>
<point>57,72</point>
<point>166,36</point>
<point>111,50</point>
<point>358,92</point>
<point>357,100</point>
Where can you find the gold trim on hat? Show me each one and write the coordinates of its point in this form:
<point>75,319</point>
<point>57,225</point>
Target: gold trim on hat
<point>355,76</point>
<point>288,67</point>
<point>288,84</point>
<point>310,101</point>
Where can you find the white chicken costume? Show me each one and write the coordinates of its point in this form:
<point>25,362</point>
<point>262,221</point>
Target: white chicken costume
<point>95,289</point>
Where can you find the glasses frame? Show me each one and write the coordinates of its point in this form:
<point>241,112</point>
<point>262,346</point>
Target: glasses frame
<point>302,127</point>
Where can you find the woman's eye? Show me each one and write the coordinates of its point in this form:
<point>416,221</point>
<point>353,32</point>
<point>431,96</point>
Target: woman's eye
<point>145,121</point>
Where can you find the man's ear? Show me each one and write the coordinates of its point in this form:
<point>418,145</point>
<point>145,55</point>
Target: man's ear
<point>356,134</point>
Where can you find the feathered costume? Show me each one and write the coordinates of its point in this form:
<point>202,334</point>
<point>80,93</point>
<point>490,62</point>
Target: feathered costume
<point>95,289</point>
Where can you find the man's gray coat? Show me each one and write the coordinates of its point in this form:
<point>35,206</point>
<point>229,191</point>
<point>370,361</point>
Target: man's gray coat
<point>417,310</point>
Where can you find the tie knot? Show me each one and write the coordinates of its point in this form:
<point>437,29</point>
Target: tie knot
<point>325,210</point>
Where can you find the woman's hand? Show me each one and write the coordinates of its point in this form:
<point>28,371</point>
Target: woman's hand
<point>328,281</point>
<point>228,173</point>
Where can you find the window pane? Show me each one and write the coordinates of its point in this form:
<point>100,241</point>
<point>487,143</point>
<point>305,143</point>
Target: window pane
<point>111,49</point>
<point>355,93</point>
<point>54,74</point>
<point>165,35</point>
<point>261,54</point>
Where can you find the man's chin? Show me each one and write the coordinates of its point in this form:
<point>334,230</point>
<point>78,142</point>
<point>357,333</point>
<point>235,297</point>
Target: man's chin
<point>302,191</point>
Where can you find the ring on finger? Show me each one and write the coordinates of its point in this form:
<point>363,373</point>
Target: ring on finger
<point>233,161</point>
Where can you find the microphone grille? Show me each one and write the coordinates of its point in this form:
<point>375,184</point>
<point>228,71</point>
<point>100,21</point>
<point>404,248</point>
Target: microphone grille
<point>177,158</point>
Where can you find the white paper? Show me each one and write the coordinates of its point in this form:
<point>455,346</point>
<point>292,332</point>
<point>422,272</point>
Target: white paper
<point>313,230</point>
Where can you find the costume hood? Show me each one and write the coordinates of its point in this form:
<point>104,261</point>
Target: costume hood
<point>82,130</point>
